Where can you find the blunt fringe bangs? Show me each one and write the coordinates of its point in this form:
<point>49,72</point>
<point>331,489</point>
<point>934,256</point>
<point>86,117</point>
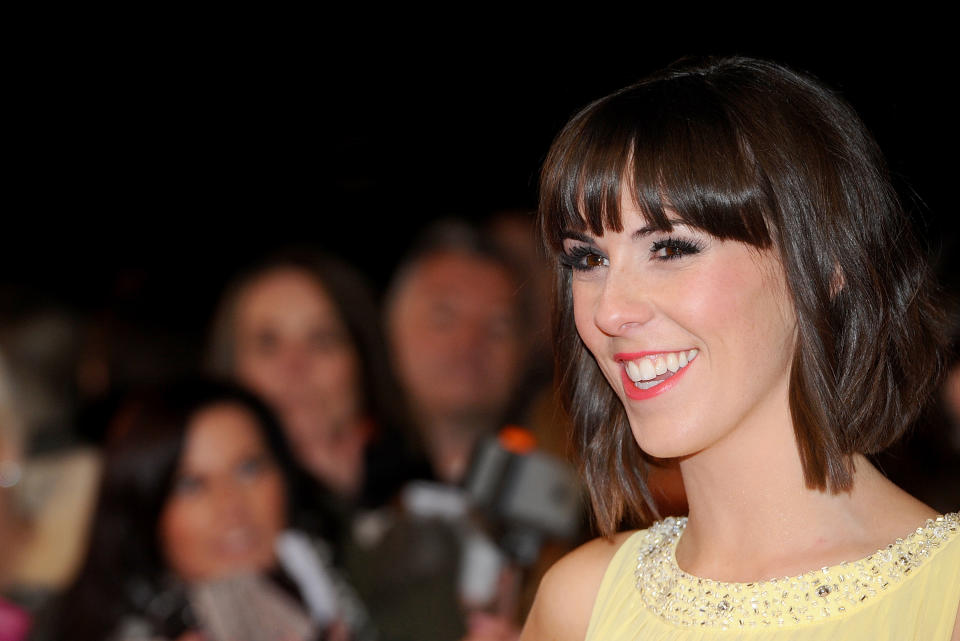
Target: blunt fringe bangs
<point>750,151</point>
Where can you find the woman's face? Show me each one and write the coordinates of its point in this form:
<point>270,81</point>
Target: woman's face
<point>228,501</point>
<point>293,349</point>
<point>695,335</point>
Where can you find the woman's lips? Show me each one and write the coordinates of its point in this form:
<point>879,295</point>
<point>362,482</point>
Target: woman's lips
<point>648,374</point>
<point>237,542</point>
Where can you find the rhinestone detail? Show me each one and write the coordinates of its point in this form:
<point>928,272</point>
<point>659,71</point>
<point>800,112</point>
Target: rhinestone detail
<point>686,600</point>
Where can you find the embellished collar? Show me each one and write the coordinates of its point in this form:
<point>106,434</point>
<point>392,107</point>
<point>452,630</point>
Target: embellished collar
<point>832,592</point>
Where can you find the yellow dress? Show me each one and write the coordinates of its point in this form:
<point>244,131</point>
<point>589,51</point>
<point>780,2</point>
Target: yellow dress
<point>909,590</point>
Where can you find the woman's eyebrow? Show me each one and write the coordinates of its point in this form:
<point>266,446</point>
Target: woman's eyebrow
<point>575,235</point>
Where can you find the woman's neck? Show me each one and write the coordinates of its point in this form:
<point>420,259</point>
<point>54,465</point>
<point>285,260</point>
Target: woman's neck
<point>752,517</point>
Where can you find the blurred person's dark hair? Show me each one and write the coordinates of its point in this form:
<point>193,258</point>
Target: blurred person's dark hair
<point>125,568</point>
<point>536,405</point>
<point>515,233</point>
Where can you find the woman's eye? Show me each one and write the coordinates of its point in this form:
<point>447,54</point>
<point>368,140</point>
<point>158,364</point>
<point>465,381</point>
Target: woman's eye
<point>583,258</point>
<point>266,342</point>
<point>441,315</point>
<point>593,260</point>
<point>187,485</point>
<point>251,468</point>
<point>325,340</point>
<point>671,248</point>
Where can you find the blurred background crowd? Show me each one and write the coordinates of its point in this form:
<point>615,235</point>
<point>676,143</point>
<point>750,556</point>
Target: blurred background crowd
<point>288,353</point>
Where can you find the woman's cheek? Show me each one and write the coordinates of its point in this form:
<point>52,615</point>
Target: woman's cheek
<point>184,529</point>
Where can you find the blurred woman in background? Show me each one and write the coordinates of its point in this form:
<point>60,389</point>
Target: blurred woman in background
<point>192,523</point>
<point>302,331</point>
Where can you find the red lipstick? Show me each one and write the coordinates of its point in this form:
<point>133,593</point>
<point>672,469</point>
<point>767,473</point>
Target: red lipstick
<point>635,392</point>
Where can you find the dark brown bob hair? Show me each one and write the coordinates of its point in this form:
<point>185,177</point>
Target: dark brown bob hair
<point>750,151</point>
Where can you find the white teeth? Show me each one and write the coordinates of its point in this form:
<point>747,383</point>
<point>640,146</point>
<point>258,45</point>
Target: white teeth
<point>647,370</point>
<point>237,540</point>
<point>673,362</point>
<point>660,365</point>
<point>643,370</point>
<point>648,384</point>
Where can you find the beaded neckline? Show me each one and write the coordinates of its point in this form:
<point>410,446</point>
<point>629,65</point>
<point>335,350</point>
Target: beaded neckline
<point>832,592</point>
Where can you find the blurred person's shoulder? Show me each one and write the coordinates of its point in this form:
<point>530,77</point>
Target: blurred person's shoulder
<point>567,593</point>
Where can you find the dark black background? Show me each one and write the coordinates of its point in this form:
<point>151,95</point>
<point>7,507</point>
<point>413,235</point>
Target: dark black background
<point>145,170</point>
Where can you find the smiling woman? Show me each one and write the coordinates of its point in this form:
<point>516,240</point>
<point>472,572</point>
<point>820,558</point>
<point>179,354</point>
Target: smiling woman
<point>738,289</point>
<point>195,518</point>
<point>644,312</point>
<point>227,507</point>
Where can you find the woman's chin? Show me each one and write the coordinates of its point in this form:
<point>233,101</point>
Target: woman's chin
<point>666,445</point>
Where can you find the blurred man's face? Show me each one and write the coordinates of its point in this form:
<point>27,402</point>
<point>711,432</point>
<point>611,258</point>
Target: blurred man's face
<point>454,334</point>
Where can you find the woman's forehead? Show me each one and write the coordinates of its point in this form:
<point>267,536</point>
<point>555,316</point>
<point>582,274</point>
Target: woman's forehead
<point>221,432</point>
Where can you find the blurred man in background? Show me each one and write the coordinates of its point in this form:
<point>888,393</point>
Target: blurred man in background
<point>455,331</point>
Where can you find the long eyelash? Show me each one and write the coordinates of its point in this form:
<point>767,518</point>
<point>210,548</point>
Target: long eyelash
<point>681,246</point>
<point>573,257</point>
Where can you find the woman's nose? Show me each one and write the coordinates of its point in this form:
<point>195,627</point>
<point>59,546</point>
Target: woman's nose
<point>295,360</point>
<point>623,304</point>
<point>229,500</point>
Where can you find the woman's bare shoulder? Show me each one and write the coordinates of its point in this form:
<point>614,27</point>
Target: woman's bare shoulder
<point>561,610</point>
